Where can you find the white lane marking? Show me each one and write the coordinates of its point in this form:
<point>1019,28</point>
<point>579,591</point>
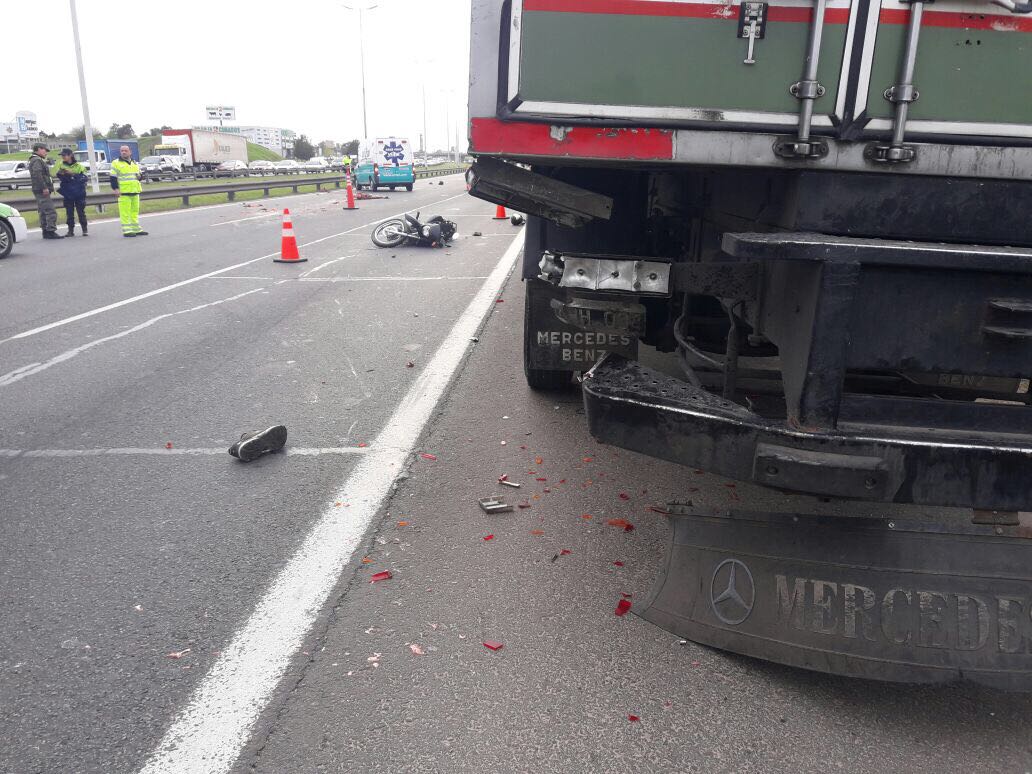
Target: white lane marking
<point>163,452</point>
<point>383,279</point>
<point>34,368</point>
<point>175,285</point>
<point>208,735</point>
<point>239,277</point>
<point>241,220</point>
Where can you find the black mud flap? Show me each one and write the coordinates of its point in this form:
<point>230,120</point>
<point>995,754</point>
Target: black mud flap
<point>906,602</point>
<point>572,334</point>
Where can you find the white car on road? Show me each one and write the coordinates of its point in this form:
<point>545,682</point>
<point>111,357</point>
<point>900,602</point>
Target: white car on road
<point>12,229</point>
<point>14,174</point>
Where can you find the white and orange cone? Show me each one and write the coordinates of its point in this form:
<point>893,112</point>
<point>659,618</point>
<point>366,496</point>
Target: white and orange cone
<point>288,245</point>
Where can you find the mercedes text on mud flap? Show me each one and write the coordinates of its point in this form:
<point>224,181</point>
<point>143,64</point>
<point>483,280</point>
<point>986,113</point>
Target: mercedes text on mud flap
<point>825,263</point>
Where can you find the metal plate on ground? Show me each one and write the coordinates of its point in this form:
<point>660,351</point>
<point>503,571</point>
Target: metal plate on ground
<point>915,602</point>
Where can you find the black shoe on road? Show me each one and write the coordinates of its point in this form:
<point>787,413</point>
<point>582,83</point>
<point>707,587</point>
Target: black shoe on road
<point>128,235</point>
<point>251,446</point>
<point>85,232</point>
<point>141,233</point>
<point>52,235</point>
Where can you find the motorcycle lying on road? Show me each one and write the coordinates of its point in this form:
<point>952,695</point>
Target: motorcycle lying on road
<point>436,232</point>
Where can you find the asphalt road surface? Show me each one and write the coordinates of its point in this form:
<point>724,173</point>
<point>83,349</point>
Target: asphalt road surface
<point>166,608</point>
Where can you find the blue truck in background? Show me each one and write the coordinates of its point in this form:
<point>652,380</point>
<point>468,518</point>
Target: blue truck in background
<point>106,151</point>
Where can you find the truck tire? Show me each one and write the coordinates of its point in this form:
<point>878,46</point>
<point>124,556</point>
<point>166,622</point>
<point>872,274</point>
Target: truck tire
<point>6,239</point>
<point>408,187</point>
<point>540,379</point>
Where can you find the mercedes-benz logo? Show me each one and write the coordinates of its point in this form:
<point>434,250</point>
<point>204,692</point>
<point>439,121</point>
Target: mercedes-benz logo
<point>732,592</point>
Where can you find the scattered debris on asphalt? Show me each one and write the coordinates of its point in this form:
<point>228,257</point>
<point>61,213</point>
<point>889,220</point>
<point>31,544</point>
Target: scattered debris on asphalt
<point>416,650</point>
<point>622,607</point>
<point>623,524</point>
<point>494,504</point>
<point>428,456</point>
<point>618,564</point>
<point>493,645</point>
<point>477,233</point>
<point>488,537</point>
<point>177,654</point>
<point>168,445</point>
<point>516,219</point>
<point>381,576</point>
<point>634,718</point>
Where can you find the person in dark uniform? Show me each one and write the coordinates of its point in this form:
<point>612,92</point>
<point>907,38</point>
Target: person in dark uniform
<point>71,177</point>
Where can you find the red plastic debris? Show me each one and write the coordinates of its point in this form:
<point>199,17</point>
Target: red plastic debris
<point>488,537</point>
<point>622,607</point>
<point>499,300</point>
<point>541,479</point>
<point>493,645</point>
<point>589,459</point>
<point>168,445</point>
<point>634,718</point>
<point>624,496</point>
<point>362,445</point>
<point>622,523</point>
<point>538,461</point>
<point>537,532</point>
<point>380,576</point>
<point>503,477</point>
<point>524,448</point>
<point>522,505</point>
<point>586,516</point>
<point>430,457</point>
<point>618,564</point>
<point>562,480</point>
<point>565,552</point>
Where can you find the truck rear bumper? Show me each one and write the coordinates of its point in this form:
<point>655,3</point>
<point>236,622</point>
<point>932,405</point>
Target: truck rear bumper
<point>637,408</point>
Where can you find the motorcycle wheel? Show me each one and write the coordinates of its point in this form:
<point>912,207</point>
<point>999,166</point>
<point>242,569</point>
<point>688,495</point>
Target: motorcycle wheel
<point>390,233</point>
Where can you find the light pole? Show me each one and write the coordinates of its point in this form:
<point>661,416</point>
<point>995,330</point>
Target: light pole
<point>86,125</point>
<point>361,55</point>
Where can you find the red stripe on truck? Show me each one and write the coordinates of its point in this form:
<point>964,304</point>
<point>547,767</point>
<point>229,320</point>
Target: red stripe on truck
<point>489,135</point>
<point>684,10</point>
<point>961,21</point>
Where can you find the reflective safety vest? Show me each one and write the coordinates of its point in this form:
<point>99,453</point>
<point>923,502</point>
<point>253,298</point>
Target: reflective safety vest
<point>128,175</point>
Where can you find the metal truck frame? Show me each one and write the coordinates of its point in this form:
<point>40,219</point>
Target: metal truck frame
<point>820,209</point>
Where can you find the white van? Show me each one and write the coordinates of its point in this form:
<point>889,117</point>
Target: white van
<point>385,161</point>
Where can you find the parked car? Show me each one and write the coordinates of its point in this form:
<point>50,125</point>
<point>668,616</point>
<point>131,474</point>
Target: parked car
<point>287,167</point>
<point>12,229</point>
<point>316,164</point>
<point>232,168</point>
<point>262,167</point>
<point>13,174</point>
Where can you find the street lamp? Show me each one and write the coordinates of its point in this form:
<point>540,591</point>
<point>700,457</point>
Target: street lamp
<point>91,155</point>
<point>361,53</point>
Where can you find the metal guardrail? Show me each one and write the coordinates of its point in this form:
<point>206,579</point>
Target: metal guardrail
<point>230,188</point>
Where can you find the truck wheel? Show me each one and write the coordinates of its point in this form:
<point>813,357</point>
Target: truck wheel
<point>542,379</point>
<point>391,187</point>
<point>408,187</point>
<point>6,239</point>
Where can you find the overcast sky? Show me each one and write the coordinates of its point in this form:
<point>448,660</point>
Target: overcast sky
<point>293,64</point>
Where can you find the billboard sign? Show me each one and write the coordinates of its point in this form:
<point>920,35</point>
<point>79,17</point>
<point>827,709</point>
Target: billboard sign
<point>221,112</point>
<point>27,126</point>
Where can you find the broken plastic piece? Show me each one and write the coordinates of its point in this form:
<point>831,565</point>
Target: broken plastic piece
<point>513,484</point>
<point>380,576</point>
<point>488,537</point>
<point>494,504</point>
<point>168,445</point>
<point>537,532</point>
<point>523,505</point>
<point>618,564</point>
<point>624,496</point>
<point>416,650</point>
<point>493,645</point>
<point>431,457</point>
<point>177,654</point>
<point>622,523</point>
<point>622,607</point>
<point>633,718</point>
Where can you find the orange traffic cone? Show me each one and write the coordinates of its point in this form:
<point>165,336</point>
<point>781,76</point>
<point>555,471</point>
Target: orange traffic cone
<point>288,247</point>
<point>500,213</point>
<point>351,194</point>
